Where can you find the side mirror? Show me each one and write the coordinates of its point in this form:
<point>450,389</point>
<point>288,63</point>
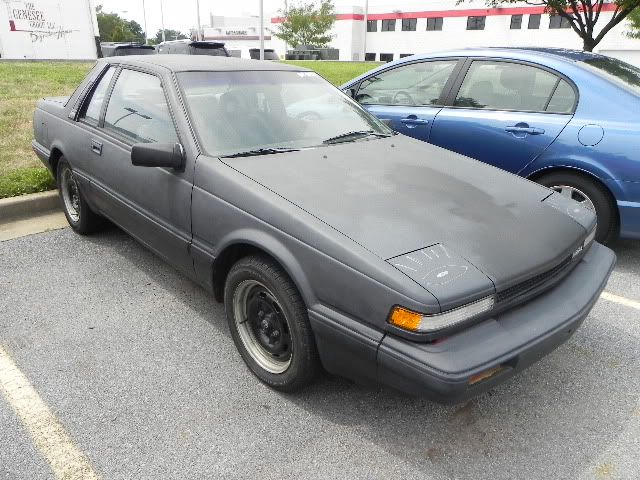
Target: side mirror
<point>169,155</point>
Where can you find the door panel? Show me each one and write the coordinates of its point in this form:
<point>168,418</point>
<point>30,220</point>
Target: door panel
<point>505,113</point>
<point>153,204</point>
<point>408,95</point>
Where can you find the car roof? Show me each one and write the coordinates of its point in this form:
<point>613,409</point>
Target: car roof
<point>184,63</point>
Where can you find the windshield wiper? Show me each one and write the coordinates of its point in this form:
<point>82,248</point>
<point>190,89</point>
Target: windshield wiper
<point>261,151</point>
<point>350,136</point>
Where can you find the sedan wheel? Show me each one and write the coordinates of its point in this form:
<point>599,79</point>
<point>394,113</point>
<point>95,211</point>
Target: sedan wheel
<point>79,215</point>
<point>269,324</point>
<point>575,194</point>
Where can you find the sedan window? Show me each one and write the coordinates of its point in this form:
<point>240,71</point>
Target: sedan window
<point>253,112</point>
<point>93,108</point>
<point>138,109</point>
<point>413,84</point>
<point>513,86</point>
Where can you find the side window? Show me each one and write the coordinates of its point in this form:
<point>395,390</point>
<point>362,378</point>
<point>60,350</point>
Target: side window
<point>138,109</point>
<point>563,99</point>
<point>413,84</point>
<point>506,86</point>
<point>92,111</point>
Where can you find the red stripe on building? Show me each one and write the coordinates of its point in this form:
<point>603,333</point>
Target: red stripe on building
<point>469,12</point>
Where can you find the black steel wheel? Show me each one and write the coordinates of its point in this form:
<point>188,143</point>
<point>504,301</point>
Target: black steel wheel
<point>269,324</point>
<point>79,215</point>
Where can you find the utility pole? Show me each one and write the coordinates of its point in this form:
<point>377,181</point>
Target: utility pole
<point>286,14</point>
<point>366,27</point>
<point>198,8</point>
<point>261,29</point>
<point>162,21</point>
<point>144,17</point>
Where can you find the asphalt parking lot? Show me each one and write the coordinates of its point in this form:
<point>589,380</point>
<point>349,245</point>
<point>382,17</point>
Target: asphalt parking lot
<point>137,365</point>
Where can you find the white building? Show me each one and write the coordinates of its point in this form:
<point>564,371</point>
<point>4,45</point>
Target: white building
<point>408,27</point>
<point>48,29</point>
<point>239,34</point>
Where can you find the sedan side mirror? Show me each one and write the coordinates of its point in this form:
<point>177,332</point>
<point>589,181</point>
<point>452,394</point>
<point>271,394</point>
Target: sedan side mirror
<point>169,155</point>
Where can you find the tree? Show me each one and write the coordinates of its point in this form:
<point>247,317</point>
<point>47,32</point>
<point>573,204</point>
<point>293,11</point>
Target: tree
<point>114,28</point>
<point>168,35</point>
<point>307,24</point>
<point>634,24</point>
<point>582,15</point>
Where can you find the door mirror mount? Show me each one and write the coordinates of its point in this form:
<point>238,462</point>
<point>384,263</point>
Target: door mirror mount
<point>168,155</point>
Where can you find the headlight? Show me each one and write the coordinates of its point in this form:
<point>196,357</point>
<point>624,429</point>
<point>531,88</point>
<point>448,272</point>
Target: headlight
<point>420,323</point>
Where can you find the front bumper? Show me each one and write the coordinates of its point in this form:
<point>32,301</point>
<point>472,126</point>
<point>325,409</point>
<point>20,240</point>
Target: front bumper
<point>513,340</point>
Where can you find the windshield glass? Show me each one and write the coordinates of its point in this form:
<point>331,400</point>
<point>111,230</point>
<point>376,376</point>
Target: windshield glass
<point>617,71</point>
<point>250,110</point>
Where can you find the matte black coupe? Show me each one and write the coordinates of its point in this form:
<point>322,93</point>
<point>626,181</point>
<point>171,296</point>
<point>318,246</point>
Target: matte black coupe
<point>332,241</point>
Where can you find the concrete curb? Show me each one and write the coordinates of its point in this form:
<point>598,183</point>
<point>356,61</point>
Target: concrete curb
<point>26,206</point>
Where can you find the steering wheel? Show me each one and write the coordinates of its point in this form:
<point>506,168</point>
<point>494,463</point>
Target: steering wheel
<point>401,93</point>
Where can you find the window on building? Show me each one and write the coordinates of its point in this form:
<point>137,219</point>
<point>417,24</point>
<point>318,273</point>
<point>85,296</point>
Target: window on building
<point>475,23</point>
<point>534,21</point>
<point>556,21</point>
<point>434,24</point>
<point>388,25</point>
<point>386,57</point>
<point>409,24</point>
<point>370,57</point>
<point>516,22</point>
<point>138,109</point>
<point>417,83</point>
<point>372,25</point>
<point>94,107</point>
<point>403,55</point>
<point>514,86</point>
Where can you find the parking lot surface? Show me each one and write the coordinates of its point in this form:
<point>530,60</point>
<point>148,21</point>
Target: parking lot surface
<point>137,364</point>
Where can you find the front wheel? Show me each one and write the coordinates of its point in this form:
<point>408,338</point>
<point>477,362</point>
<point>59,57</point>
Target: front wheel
<point>591,195</point>
<point>269,324</point>
<point>79,215</point>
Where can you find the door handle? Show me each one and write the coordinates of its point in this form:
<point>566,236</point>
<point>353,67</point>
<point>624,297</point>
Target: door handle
<point>96,147</point>
<point>529,130</point>
<point>413,120</point>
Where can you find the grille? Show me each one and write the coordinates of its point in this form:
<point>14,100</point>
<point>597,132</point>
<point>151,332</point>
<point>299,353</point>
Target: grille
<point>531,283</point>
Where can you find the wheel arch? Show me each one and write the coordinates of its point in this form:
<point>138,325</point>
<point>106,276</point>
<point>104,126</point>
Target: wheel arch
<point>258,243</point>
<point>54,157</point>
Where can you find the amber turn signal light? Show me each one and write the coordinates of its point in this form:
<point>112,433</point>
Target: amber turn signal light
<point>405,319</point>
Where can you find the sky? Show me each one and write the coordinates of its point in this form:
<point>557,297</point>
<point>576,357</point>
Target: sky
<point>181,14</point>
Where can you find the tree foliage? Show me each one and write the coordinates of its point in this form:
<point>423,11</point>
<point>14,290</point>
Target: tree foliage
<point>114,28</point>
<point>168,36</point>
<point>634,24</point>
<point>582,15</point>
<point>307,23</point>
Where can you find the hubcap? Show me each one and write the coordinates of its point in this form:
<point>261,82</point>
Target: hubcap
<point>70,195</point>
<point>575,194</point>
<point>262,326</point>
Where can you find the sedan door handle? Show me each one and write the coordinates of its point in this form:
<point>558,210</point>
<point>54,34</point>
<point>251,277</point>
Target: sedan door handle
<point>96,147</point>
<point>529,130</point>
<point>414,121</point>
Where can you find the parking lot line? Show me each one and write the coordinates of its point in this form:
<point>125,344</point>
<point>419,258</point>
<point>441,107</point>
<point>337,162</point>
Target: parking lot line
<point>49,436</point>
<point>621,300</point>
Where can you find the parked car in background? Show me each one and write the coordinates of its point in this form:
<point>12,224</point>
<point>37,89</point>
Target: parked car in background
<point>331,241</point>
<point>269,54</point>
<point>118,49</point>
<point>566,119</point>
<point>192,47</point>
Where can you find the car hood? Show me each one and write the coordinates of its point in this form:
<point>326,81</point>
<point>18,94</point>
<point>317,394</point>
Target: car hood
<point>398,195</point>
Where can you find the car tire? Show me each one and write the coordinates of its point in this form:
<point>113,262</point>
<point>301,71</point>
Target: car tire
<point>81,218</point>
<point>593,195</point>
<point>269,324</point>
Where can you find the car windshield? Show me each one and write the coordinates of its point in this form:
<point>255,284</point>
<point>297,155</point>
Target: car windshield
<point>617,71</point>
<point>249,111</point>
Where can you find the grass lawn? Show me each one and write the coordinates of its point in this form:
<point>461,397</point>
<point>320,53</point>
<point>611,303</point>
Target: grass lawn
<point>23,83</point>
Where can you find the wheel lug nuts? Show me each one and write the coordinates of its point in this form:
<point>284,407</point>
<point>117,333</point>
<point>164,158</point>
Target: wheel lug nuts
<point>260,314</point>
<point>275,334</point>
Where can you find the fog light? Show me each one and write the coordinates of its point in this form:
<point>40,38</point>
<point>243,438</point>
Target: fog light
<point>487,374</point>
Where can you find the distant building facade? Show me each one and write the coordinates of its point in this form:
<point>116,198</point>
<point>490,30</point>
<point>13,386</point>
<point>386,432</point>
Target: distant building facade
<point>48,29</point>
<point>239,34</point>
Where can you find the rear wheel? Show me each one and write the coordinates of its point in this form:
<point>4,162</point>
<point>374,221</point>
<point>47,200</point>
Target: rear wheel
<point>80,217</point>
<point>269,324</point>
<point>591,195</point>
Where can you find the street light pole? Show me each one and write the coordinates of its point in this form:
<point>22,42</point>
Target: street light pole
<point>162,21</point>
<point>366,23</point>
<point>198,8</point>
<point>261,29</point>
<point>144,17</point>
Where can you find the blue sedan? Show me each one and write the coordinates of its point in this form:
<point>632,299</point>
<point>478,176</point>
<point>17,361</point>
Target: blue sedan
<point>569,120</point>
